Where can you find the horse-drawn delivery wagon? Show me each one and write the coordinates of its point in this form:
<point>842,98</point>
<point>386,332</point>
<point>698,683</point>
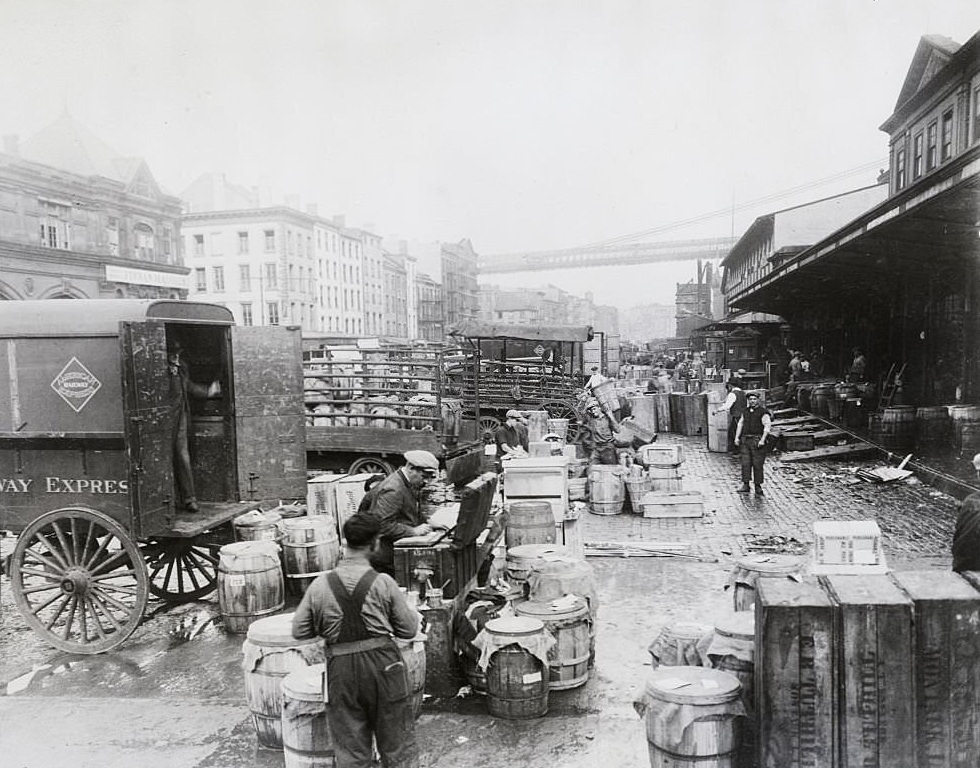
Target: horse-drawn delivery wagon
<point>86,446</point>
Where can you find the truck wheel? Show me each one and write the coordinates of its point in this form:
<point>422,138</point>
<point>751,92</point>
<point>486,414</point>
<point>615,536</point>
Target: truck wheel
<point>488,425</point>
<point>181,570</point>
<point>79,580</point>
<point>370,465</point>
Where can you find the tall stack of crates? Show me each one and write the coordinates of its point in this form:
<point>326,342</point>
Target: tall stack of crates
<point>667,497</point>
<point>870,671</point>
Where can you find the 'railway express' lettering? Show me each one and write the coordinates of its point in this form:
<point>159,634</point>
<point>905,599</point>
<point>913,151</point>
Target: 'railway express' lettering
<point>64,485</point>
<point>71,485</point>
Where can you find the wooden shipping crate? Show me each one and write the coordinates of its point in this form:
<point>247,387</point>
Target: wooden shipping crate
<point>795,674</point>
<point>946,667</point>
<point>673,504</point>
<point>874,657</point>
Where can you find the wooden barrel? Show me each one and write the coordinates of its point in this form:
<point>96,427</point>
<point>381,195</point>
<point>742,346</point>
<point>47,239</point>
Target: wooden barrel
<point>835,406</point>
<point>553,579</point>
<point>559,427</point>
<point>665,477</point>
<point>748,571</point>
<point>606,394</point>
<point>250,583</point>
<point>413,654</point>
<point>310,546</point>
<point>269,654</point>
<point>803,396</point>
<point>820,400</point>
<point>522,559</point>
<point>306,741</point>
<point>677,644</point>
<point>732,650</point>
<point>517,681</point>
<point>845,390</point>
<point>577,489</point>
<point>898,426</point>
<point>569,625</point>
<point>932,426</point>
<point>607,492</point>
<point>636,489</point>
<point>529,522</point>
<point>959,416</point>
<point>257,526</point>
<point>693,717</point>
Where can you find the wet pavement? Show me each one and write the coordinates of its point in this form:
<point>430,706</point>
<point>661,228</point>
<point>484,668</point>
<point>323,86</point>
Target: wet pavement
<point>173,694</point>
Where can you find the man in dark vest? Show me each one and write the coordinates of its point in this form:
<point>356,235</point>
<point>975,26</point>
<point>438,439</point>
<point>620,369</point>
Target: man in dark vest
<point>357,612</point>
<point>735,405</point>
<point>751,436</point>
<point>395,506</point>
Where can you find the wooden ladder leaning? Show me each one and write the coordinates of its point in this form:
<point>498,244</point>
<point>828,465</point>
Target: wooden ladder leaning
<point>890,385</point>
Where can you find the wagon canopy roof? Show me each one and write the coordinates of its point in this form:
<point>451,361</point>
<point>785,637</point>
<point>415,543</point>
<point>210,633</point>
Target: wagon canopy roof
<point>100,317</point>
<point>477,330</point>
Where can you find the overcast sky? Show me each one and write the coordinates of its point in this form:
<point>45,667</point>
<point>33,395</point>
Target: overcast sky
<point>520,125</point>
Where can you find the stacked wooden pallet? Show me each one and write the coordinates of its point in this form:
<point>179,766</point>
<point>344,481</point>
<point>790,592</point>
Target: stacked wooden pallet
<point>803,436</point>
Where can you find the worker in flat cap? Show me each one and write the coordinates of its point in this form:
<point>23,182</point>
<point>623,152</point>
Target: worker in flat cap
<point>511,437</point>
<point>396,507</point>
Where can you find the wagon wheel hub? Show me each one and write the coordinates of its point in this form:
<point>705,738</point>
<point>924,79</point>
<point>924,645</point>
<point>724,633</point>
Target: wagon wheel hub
<point>75,582</point>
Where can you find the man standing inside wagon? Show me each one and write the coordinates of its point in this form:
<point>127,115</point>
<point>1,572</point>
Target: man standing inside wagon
<point>357,612</point>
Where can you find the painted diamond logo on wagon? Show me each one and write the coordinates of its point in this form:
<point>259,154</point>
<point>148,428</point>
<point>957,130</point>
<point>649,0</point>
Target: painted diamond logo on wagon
<point>76,384</point>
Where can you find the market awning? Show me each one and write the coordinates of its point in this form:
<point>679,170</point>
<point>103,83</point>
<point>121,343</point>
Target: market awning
<point>742,320</point>
<point>926,227</point>
<point>479,330</point>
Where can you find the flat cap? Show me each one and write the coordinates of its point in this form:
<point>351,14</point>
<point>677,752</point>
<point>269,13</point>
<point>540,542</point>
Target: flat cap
<point>422,460</point>
<point>512,414</point>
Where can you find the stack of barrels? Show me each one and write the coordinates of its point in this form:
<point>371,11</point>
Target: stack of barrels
<point>544,639</point>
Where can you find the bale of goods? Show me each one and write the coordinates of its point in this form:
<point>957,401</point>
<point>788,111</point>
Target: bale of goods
<point>269,653</point>
<point>898,427</point>
<point>960,416</point>
<point>250,583</point>
<point>693,716</point>
<point>945,661</point>
<point>932,426</point>
<point>678,643</point>
<point>306,741</point>
<point>874,656</point>
<point>796,675</point>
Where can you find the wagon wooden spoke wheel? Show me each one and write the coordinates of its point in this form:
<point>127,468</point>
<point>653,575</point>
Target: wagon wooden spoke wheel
<point>370,464</point>
<point>181,570</point>
<point>487,427</point>
<point>561,410</point>
<point>79,580</point>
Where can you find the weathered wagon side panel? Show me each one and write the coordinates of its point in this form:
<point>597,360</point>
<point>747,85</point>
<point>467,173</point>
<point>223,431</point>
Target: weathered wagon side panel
<point>269,413</point>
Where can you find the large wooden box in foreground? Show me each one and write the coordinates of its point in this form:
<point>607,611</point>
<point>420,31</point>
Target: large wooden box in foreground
<point>795,674</point>
<point>874,657</point>
<point>946,668</point>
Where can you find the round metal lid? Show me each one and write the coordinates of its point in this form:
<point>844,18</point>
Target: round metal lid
<point>514,626</point>
<point>276,630</point>
<point>693,685</point>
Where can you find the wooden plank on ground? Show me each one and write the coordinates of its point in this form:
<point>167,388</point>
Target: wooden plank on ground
<point>828,451</point>
<point>795,420</point>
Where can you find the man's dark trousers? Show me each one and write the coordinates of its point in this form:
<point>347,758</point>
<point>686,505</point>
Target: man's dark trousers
<point>753,459</point>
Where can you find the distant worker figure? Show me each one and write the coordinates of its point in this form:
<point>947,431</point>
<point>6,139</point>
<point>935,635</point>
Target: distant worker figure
<point>358,612</point>
<point>734,404</point>
<point>966,536</point>
<point>511,438</point>
<point>751,436</point>
<point>859,366</point>
<point>603,435</point>
<point>182,389</point>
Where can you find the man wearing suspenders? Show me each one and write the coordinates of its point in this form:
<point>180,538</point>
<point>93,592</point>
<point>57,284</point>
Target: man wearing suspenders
<point>357,612</point>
